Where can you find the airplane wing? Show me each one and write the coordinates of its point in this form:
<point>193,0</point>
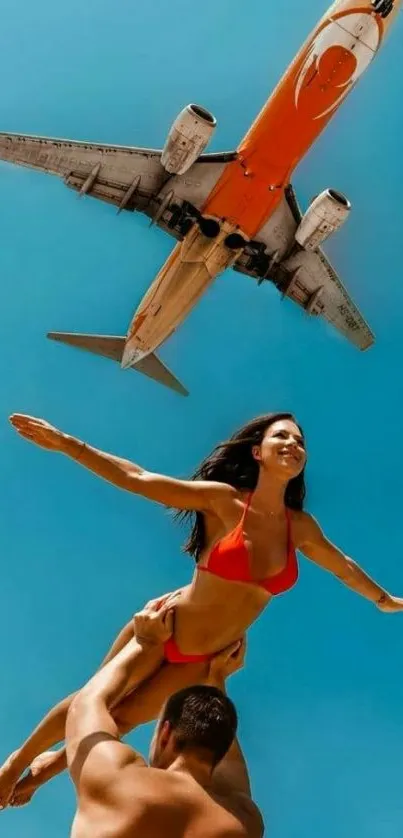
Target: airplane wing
<point>128,177</point>
<point>313,283</point>
<point>306,277</point>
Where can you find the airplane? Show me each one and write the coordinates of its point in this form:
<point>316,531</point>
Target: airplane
<point>230,209</point>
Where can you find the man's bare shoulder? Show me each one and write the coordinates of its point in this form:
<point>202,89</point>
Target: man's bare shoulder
<point>245,810</point>
<point>187,809</point>
<point>148,801</point>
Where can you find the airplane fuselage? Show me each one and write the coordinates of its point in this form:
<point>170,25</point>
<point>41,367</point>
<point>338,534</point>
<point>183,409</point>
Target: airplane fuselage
<point>251,187</point>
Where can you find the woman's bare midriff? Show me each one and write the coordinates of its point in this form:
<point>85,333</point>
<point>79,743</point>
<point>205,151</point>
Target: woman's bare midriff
<point>215,612</point>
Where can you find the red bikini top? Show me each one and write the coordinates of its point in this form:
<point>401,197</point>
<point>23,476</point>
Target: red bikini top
<point>229,559</point>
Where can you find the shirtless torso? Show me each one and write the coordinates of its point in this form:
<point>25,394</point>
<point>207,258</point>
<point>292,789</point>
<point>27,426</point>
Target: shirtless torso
<point>181,795</point>
<point>138,801</point>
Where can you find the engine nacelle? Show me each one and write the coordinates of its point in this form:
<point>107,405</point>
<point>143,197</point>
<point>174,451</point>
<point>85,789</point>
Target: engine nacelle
<point>325,215</point>
<point>187,139</point>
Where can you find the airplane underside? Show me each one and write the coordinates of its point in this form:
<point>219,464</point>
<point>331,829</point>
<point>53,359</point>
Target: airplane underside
<point>188,272</point>
<point>230,209</point>
<point>208,249</point>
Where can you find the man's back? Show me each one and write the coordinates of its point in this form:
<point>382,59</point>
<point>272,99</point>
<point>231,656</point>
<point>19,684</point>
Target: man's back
<point>141,801</point>
<point>198,785</point>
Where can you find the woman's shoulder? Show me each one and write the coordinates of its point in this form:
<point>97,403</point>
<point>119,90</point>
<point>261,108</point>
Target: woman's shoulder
<point>222,496</point>
<point>303,524</point>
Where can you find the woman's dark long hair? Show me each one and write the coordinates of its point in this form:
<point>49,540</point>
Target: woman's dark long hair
<point>232,462</point>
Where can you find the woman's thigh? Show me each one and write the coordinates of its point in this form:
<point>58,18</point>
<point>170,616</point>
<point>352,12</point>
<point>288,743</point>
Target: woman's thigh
<point>145,703</point>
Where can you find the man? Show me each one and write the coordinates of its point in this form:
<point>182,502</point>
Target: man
<point>197,785</point>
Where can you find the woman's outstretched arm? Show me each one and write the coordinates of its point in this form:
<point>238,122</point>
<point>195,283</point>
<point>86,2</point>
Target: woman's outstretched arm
<point>199,495</point>
<point>315,546</point>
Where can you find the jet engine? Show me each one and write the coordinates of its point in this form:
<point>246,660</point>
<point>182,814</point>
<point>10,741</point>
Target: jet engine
<point>323,217</point>
<point>187,139</point>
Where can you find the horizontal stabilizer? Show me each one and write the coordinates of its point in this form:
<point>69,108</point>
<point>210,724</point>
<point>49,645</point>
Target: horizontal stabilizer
<point>112,347</point>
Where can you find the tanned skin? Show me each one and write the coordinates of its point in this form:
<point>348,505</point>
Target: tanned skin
<point>212,612</point>
<point>181,795</point>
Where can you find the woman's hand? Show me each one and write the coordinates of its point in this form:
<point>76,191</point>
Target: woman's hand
<point>196,495</point>
<point>389,604</point>
<point>38,431</point>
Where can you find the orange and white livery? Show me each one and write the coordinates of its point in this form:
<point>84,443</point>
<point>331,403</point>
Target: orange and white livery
<point>232,209</point>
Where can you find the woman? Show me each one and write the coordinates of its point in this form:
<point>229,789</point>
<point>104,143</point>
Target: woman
<point>247,502</point>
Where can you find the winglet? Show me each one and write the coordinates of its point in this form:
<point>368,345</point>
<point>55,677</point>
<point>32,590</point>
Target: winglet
<point>112,346</point>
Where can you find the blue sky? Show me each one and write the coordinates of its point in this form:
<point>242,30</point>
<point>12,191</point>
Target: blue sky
<point>321,697</point>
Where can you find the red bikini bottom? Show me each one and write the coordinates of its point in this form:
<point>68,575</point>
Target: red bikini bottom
<point>174,655</point>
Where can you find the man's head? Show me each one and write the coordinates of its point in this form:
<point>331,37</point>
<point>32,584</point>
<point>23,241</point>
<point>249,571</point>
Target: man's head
<point>200,720</point>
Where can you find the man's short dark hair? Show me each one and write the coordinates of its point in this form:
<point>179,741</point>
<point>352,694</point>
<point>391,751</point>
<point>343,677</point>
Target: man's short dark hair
<point>202,717</point>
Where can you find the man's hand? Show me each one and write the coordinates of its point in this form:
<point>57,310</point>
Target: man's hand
<point>38,431</point>
<point>166,599</point>
<point>389,604</point>
<point>227,662</point>
<point>154,624</point>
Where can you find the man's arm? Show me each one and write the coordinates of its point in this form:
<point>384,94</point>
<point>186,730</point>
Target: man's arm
<point>92,740</point>
<point>231,776</point>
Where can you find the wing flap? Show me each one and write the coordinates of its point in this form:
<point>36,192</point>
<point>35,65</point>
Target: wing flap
<point>306,277</point>
<point>131,178</point>
<point>312,282</point>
